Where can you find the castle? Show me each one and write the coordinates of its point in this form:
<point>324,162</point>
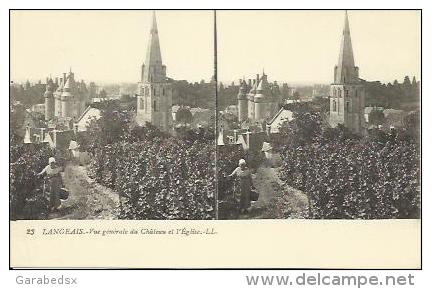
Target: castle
<point>347,92</point>
<point>65,98</point>
<point>258,100</point>
<point>154,96</point>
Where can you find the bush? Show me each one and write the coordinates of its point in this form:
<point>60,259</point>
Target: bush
<point>159,178</point>
<point>353,178</point>
<point>30,160</point>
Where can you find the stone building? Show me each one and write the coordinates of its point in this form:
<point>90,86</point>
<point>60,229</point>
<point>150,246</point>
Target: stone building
<point>65,98</point>
<point>154,96</point>
<point>347,92</point>
<point>258,100</point>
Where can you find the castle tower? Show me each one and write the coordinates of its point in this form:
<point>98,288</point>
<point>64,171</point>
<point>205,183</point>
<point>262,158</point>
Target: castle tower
<point>262,100</point>
<point>242,102</point>
<point>66,97</point>
<point>347,94</point>
<point>57,96</point>
<point>250,97</point>
<point>154,97</point>
<point>276,98</point>
<point>49,99</point>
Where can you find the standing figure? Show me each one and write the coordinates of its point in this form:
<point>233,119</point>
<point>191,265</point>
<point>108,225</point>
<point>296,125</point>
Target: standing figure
<point>245,184</point>
<point>53,183</point>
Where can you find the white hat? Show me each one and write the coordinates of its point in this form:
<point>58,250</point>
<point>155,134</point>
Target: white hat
<point>51,160</point>
<point>242,162</point>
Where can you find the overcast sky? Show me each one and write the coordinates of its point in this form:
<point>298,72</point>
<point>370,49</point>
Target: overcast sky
<point>292,46</point>
<point>303,46</point>
<point>109,46</point>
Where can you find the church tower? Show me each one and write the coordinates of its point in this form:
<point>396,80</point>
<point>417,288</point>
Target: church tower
<point>154,97</point>
<point>347,93</point>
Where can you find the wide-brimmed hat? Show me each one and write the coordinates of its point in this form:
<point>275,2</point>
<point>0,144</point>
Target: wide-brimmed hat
<point>241,162</point>
<point>51,160</point>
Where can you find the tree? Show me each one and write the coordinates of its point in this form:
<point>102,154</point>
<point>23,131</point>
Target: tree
<point>376,117</point>
<point>112,126</point>
<point>406,83</point>
<point>184,116</point>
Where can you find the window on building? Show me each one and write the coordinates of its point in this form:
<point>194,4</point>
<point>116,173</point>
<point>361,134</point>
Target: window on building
<point>339,92</point>
<point>356,93</point>
<point>154,106</point>
<point>348,106</point>
<point>163,91</point>
<point>141,103</point>
<point>346,92</point>
<point>334,105</point>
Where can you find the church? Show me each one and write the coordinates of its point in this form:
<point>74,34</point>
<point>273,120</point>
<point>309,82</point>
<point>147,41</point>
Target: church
<point>347,92</point>
<point>154,96</point>
<point>259,101</point>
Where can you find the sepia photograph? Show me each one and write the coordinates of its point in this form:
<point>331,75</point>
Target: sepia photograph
<point>314,122</point>
<point>112,115</point>
<point>248,138</point>
<point>319,114</point>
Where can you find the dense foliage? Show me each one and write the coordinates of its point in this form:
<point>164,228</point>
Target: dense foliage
<point>348,177</point>
<point>227,161</point>
<point>26,160</point>
<point>198,94</point>
<point>159,178</point>
<point>405,95</point>
<point>28,94</point>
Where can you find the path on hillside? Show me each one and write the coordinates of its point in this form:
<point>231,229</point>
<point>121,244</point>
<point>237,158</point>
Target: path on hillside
<point>87,199</point>
<point>272,190</point>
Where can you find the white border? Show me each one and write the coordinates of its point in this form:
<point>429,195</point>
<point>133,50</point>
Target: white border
<point>198,279</point>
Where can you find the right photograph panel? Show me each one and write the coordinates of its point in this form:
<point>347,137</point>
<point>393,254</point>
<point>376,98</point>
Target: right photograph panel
<point>319,114</point>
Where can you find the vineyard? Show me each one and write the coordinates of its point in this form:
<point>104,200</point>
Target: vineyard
<point>159,179</point>
<point>326,173</point>
<point>345,177</point>
<point>25,162</point>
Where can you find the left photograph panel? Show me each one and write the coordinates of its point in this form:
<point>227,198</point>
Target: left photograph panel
<point>112,115</point>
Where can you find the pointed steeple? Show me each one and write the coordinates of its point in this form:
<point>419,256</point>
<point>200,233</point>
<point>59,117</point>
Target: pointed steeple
<point>153,70</point>
<point>345,71</point>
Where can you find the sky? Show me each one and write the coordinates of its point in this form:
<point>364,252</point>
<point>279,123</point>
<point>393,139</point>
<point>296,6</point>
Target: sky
<point>291,46</point>
<point>109,46</point>
<point>303,46</point>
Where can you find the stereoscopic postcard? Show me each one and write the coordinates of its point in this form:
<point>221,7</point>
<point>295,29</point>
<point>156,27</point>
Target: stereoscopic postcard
<point>215,139</point>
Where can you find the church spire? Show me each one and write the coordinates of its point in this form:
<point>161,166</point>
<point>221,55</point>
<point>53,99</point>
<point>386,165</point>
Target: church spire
<point>154,55</point>
<point>153,69</point>
<point>345,71</point>
<point>154,24</point>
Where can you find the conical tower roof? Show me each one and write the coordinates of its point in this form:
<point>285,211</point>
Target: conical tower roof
<point>154,56</point>
<point>345,72</point>
<point>153,69</point>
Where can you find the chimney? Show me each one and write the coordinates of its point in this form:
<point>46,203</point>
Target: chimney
<point>42,134</point>
<point>257,78</point>
<point>235,135</point>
